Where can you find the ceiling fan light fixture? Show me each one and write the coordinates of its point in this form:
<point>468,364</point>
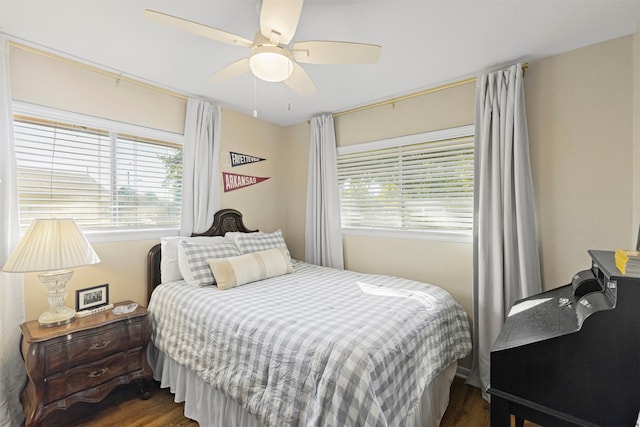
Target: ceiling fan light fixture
<point>270,63</point>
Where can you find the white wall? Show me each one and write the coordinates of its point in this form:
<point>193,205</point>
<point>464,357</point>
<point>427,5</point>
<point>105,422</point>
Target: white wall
<point>579,110</point>
<point>263,204</point>
<point>296,164</point>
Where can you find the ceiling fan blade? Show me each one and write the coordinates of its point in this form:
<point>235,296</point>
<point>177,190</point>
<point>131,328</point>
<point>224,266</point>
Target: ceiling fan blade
<point>335,52</point>
<point>300,82</point>
<point>279,19</point>
<point>196,28</point>
<point>231,71</point>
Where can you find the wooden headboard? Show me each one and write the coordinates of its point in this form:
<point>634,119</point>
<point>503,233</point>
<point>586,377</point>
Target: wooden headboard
<point>224,220</point>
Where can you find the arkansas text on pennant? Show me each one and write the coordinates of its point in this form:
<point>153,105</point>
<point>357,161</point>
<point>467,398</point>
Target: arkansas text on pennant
<point>233,181</point>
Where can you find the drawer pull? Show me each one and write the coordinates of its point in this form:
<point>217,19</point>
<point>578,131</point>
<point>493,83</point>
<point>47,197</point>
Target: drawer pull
<point>99,345</point>
<point>99,373</point>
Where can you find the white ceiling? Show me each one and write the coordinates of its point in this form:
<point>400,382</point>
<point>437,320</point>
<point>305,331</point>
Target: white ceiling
<point>424,43</point>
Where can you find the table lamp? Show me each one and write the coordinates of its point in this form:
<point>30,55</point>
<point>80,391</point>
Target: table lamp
<point>52,247</point>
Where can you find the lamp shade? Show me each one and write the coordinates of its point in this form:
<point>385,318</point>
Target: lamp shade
<point>51,244</point>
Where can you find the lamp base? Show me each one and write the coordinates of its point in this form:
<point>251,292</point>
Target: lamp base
<point>63,316</point>
<point>58,314</point>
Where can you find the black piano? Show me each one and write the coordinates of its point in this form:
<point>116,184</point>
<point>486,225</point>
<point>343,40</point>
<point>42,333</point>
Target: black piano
<point>571,356</point>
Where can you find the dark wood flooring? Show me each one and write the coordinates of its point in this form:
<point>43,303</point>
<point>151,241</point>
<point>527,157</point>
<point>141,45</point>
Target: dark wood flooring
<point>123,407</point>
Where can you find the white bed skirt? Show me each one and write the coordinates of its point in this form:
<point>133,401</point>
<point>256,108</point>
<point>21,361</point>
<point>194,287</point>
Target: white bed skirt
<point>211,408</point>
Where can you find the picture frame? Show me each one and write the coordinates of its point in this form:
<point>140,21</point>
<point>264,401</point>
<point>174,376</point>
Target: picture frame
<point>93,297</point>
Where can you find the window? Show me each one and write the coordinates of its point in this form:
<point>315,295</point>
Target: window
<point>419,186</point>
<point>92,171</point>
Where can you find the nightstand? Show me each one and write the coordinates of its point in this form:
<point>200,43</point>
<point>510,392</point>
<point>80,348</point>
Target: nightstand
<point>83,360</point>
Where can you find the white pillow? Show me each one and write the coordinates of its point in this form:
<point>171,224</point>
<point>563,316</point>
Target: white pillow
<point>259,241</point>
<point>169,268</point>
<point>239,270</point>
<point>192,259</point>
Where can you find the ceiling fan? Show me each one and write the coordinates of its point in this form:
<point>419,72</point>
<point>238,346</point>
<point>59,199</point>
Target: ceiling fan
<point>270,58</point>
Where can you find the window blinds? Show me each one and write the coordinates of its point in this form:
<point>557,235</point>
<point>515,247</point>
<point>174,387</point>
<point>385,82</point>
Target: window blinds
<point>102,179</point>
<point>420,183</point>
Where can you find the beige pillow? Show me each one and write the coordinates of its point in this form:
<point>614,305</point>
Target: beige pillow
<point>239,270</point>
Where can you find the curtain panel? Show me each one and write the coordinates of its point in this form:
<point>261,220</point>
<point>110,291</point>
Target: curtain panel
<point>323,232</point>
<point>12,372</point>
<point>200,166</point>
<point>505,244</point>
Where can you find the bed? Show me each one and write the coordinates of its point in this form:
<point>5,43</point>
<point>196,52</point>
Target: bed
<point>279,342</point>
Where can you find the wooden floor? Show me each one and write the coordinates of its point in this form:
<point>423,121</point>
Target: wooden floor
<point>468,408</point>
<point>123,407</point>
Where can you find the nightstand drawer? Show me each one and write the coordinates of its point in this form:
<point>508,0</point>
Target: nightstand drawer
<point>84,377</point>
<point>84,347</point>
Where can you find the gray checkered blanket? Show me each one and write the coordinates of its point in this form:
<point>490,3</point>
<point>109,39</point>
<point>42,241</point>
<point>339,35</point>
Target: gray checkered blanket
<point>318,347</point>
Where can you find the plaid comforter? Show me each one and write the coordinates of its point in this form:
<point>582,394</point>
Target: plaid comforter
<point>318,347</point>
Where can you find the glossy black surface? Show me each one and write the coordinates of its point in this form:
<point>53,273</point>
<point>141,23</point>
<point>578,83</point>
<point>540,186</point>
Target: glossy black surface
<point>569,356</point>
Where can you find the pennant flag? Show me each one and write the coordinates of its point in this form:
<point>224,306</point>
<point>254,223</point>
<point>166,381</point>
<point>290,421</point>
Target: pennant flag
<point>233,181</point>
<point>238,159</point>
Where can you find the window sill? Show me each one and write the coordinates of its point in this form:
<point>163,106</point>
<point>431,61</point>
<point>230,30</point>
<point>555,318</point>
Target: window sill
<point>443,236</point>
<point>128,235</point>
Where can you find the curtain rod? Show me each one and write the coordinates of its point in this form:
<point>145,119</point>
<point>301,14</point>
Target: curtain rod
<point>413,95</point>
<point>117,77</point>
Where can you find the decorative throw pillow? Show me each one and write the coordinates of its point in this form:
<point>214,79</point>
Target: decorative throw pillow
<point>239,270</point>
<point>169,268</point>
<point>193,256</point>
<point>253,242</point>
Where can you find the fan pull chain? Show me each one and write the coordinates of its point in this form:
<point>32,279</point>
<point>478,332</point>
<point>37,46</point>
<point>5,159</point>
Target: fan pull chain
<point>289,87</point>
<point>255,97</point>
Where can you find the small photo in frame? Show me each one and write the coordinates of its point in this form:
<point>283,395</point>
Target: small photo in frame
<point>94,297</point>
